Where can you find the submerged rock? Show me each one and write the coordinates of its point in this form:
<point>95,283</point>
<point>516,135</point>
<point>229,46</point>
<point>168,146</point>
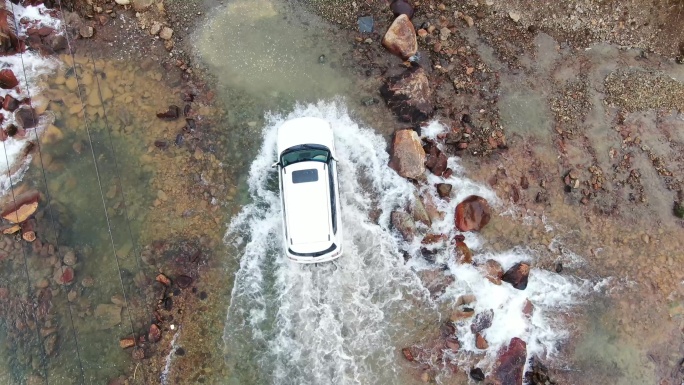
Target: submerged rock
<point>107,316</point>
<point>517,275</point>
<point>436,159</point>
<point>26,117</point>
<point>481,342</point>
<point>408,354</point>
<point>477,374</point>
<point>154,335</point>
<point>400,38</point>
<point>462,253</point>
<point>164,280</point>
<point>435,281</point>
<point>22,207</point>
<point>127,342</point>
<point>472,214</point>
<point>510,364</point>
<point>172,113</point>
<point>409,95</point>
<point>418,211</point>
<point>482,321</point>
<point>408,157</point>
<point>403,222</point>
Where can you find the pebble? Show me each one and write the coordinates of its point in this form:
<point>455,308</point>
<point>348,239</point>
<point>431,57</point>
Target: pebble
<point>515,16</point>
<point>166,33</point>
<point>155,29</point>
<point>86,31</point>
<point>70,258</point>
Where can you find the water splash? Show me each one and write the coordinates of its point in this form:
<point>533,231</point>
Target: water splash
<point>169,358</point>
<point>341,323</point>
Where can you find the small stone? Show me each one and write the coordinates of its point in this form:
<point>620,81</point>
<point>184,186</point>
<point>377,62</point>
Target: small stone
<point>172,113</point>
<point>155,28</point>
<point>86,31</point>
<point>493,271</point>
<point>515,16</point>
<point>50,344</point>
<point>402,7</point>
<point>444,33</point>
<point>183,281</point>
<point>517,275</point>
<point>69,258</point>
<point>481,342</point>
<point>164,280</point>
<point>88,282</point>
<point>29,236</point>
<point>422,32</point>
<point>118,300</point>
<point>64,275</point>
<point>8,80</point>
<point>107,316</point>
<point>123,2</point>
<point>166,33</point>
<point>72,296</point>
<point>477,374</point>
<point>408,354</point>
<point>444,190</point>
<point>138,353</point>
<point>400,38</point>
<point>366,24</point>
<point>127,342</point>
<point>42,283</point>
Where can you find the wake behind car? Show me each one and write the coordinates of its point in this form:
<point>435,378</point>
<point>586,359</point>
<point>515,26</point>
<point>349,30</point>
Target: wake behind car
<point>307,170</point>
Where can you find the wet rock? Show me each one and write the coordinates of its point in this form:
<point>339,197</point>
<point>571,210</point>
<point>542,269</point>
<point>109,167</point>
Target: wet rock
<point>435,281</point>
<point>50,344</point>
<point>8,80</point>
<point>107,316</point>
<point>510,364</point>
<point>26,117</point>
<point>10,103</point>
<point>444,190</point>
<point>86,31</point>
<point>29,236</point>
<point>408,157</point>
<point>528,309</point>
<point>69,258</point>
<point>64,275</point>
<point>482,321</point>
<point>172,113</point>
<point>431,208</point>
<point>453,344</point>
<point>463,254</point>
<point>477,374</point>
<point>481,342</point>
<point>538,374</point>
<point>436,160</point>
<point>366,24</point>
<point>154,335</point>
<point>409,95</point>
<point>183,281</point>
<point>472,214</point>
<point>402,7</point>
<point>72,296</point>
<point>408,354</point>
<point>454,136</point>
<point>517,275</point>
<point>42,283</point>
<point>400,38</point>
<point>431,239</point>
<point>493,271</point>
<point>559,267</point>
<point>88,282</point>
<point>403,222</point>
<point>369,101</point>
<point>168,303</point>
<point>418,211</point>
<point>164,280</point>
<point>22,207</point>
<point>166,33</point>
<point>127,342</point>
<point>461,314</point>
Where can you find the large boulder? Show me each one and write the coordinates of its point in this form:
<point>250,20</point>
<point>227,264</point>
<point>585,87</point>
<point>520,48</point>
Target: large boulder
<point>400,38</point>
<point>472,214</point>
<point>517,275</point>
<point>510,364</point>
<point>409,95</point>
<point>408,157</point>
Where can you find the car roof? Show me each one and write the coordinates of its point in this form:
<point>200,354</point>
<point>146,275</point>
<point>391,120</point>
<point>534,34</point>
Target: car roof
<point>306,130</point>
<point>307,204</point>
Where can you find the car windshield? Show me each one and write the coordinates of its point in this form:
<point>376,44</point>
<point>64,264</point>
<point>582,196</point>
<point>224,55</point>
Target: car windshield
<point>304,153</point>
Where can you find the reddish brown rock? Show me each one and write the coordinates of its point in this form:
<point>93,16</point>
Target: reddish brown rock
<point>127,342</point>
<point>183,281</point>
<point>472,214</point>
<point>517,275</point>
<point>481,342</point>
<point>164,280</point>
<point>64,275</point>
<point>463,253</point>
<point>21,208</point>
<point>435,281</point>
<point>138,353</point>
<point>431,239</point>
<point>8,80</point>
<point>453,344</point>
<point>172,113</point>
<point>400,38</point>
<point>510,364</point>
<point>154,335</point>
<point>10,103</point>
<point>408,354</point>
<point>528,309</point>
<point>408,157</point>
<point>436,160</point>
<point>493,271</point>
<point>409,95</point>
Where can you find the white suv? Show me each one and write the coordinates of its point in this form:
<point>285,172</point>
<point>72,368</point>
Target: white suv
<point>309,194</point>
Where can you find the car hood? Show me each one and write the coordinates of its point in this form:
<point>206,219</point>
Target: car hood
<point>307,206</point>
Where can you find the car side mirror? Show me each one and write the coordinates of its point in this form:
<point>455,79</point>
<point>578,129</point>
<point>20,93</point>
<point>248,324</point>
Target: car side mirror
<point>274,165</point>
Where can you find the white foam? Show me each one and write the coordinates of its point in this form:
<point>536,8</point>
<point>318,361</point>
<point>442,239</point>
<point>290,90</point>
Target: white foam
<point>35,66</point>
<point>339,323</point>
<point>164,378</point>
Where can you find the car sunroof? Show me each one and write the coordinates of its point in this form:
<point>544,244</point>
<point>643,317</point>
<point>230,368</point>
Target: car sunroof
<point>305,176</point>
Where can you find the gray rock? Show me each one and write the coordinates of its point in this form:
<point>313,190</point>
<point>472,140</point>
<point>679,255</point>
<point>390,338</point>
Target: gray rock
<point>86,31</point>
<point>366,24</point>
<point>166,33</point>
